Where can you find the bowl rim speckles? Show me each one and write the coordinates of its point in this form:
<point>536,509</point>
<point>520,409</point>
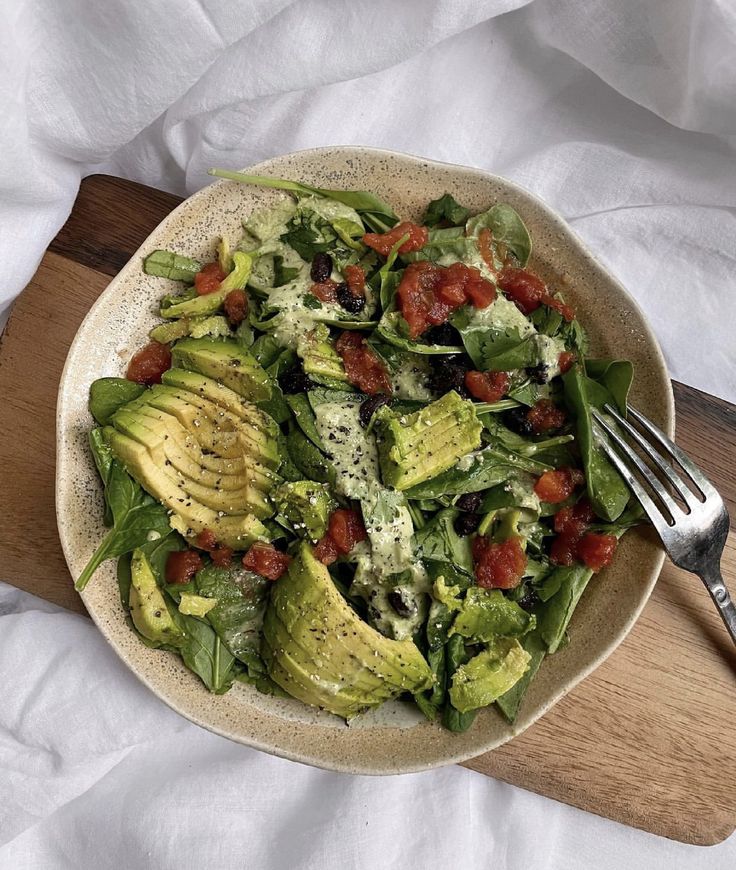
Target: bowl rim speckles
<point>392,740</point>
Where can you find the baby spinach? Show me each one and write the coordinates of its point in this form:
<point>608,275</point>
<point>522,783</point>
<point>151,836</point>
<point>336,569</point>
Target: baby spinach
<point>106,395</point>
<point>438,541</point>
<point>484,340</point>
<point>283,274</point>
<point>615,375</point>
<point>302,410</point>
<point>444,242</point>
<point>507,229</point>
<point>446,209</point>
<point>205,654</point>
<point>455,657</point>
<point>135,516</point>
<point>510,701</point>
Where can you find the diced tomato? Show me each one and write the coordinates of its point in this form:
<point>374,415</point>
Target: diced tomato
<point>149,363</point>
<point>570,524</point>
<point>485,238</point>
<point>544,416</point>
<point>596,551</point>
<point>266,560</point>
<point>565,360</point>
<point>208,279</point>
<point>206,540</point>
<point>557,486</point>
<point>182,565</point>
<point>346,529</point>
<point>487,386</point>
<point>498,566</point>
<point>355,279</point>
<point>221,556</point>
<point>383,242</point>
<point>428,294</point>
<point>236,306</point>
<point>565,310</point>
<point>525,289</point>
<point>362,366</point>
<point>325,550</point>
<point>325,291</point>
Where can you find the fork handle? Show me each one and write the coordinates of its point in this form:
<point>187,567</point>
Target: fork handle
<point>713,580</point>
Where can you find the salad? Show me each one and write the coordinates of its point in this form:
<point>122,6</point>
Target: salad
<point>356,460</point>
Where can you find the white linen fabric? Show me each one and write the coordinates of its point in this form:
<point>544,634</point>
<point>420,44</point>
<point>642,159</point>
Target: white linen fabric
<point>620,113</point>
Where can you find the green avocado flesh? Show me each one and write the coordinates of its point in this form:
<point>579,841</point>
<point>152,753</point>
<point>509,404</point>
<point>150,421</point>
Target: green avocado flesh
<point>224,360</point>
<point>148,608</point>
<point>204,452</point>
<point>319,650</point>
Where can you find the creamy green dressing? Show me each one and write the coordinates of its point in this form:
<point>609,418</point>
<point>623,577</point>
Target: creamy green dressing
<point>410,380</point>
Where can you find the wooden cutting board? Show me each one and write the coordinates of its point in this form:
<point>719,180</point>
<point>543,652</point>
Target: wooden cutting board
<point>648,740</point>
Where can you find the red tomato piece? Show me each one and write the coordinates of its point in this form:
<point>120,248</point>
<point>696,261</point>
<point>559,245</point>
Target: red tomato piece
<point>362,366</point>
<point>182,565</point>
<point>565,310</point>
<point>383,242</point>
<point>498,566</point>
<point>266,560</point>
<point>221,556</point>
<point>544,416</point>
<point>485,238</point>
<point>325,291</point>
<point>206,540</point>
<point>346,529</point>
<point>149,363</point>
<point>487,386</point>
<point>565,361</point>
<point>236,306</point>
<point>479,291</point>
<point>325,550</point>
<point>525,289</point>
<point>570,523</point>
<point>557,486</point>
<point>355,279</point>
<point>596,551</point>
<point>208,279</point>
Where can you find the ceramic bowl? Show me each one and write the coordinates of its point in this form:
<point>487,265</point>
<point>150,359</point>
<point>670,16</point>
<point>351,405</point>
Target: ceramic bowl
<point>393,739</point>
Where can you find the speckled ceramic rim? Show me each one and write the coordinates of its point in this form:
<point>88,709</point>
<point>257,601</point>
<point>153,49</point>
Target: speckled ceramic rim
<point>391,741</point>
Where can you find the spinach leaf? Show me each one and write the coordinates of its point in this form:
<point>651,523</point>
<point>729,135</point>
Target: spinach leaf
<point>439,541</point>
<point>501,435</point>
<point>615,375</point>
<point>507,228</point>
<point>241,602</point>
<point>446,208</point>
<point>205,654</point>
<point>102,455</point>
<point>135,515</point>
<point>607,491</point>
<point>311,462</point>
<point>376,213</point>
<point>282,274</point>
<point>490,467</point>
<point>302,410</point>
<point>510,701</point>
<point>560,593</point>
<point>484,339</point>
<point>455,656</point>
<point>266,350</point>
<point>445,242</point>
<point>106,395</point>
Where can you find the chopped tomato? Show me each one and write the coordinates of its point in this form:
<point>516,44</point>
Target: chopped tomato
<point>346,529</point>
<point>529,292</point>
<point>428,293</point>
<point>355,279</point>
<point>206,540</point>
<point>544,416</point>
<point>325,291</point>
<point>182,565</point>
<point>596,551</point>
<point>383,242</point>
<point>556,486</point>
<point>149,363</point>
<point>236,306</point>
<point>219,554</point>
<point>498,566</point>
<point>485,237</point>
<point>487,386</point>
<point>325,550</point>
<point>208,279</point>
<point>565,361</point>
<point>222,556</point>
<point>570,523</point>
<point>362,366</point>
<point>266,560</point>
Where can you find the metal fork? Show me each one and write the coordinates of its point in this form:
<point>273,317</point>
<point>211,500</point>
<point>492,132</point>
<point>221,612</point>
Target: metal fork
<point>693,536</point>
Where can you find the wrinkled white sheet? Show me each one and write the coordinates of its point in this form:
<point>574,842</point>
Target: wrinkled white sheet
<point>620,113</point>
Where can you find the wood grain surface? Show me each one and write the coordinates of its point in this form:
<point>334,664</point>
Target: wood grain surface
<point>648,740</point>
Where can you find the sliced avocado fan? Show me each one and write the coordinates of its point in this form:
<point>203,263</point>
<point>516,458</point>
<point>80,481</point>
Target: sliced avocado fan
<point>320,651</point>
<point>204,452</point>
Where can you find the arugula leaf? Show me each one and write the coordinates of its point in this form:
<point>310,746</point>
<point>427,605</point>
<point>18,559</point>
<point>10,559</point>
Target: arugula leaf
<point>205,654</point>
<point>135,515</point>
<point>106,395</point>
<point>507,228</point>
<point>446,208</point>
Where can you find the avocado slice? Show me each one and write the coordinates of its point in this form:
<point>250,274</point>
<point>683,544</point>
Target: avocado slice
<point>489,675</point>
<point>322,637</point>
<point>224,360</point>
<point>211,302</point>
<point>415,447</point>
<point>190,516</point>
<point>307,505</point>
<point>320,359</point>
<point>147,604</point>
